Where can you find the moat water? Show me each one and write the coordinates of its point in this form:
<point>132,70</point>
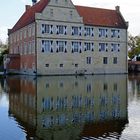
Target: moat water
<point>99,107</point>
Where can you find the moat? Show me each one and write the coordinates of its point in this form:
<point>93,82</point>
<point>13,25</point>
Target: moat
<point>99,107</point>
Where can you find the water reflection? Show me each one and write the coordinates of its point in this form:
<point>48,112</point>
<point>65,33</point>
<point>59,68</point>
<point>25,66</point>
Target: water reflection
<point>69,108</point>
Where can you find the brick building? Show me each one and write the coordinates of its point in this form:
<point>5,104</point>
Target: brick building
<point>55,37</point>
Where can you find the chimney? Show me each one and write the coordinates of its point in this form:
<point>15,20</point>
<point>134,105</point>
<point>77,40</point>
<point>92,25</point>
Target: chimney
<point>117,8</point>
<point>127,24</point>
<point>34,2</point>
<point>27,7</point>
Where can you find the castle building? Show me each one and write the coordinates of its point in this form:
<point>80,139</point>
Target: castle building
<point>56,37</point>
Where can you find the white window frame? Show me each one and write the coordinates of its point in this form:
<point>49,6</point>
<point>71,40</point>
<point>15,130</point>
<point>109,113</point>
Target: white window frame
<point>115,47</point>
<point>61,45</point>
<point>105,60</point>
<point>103,32</point>
<point>115,33</point>
<point>115,60</point>
<point>89,60</point>
<point>46,29</point>
<point>103,47</point>
<point>46,46</point>
<point>76,46</point>
<point>61,29</point>
<point>89,31</point>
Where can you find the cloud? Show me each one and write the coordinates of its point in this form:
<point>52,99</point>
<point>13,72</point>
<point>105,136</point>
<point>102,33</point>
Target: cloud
<point>3,33</point>
<point>24,1</point>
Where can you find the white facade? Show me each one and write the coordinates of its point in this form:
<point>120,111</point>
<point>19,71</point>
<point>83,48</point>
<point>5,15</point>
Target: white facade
<point>72,47</point>
<point>65,45</point>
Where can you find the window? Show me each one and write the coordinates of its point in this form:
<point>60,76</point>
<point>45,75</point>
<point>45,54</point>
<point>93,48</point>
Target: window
<point>29,31</point>
<point>71,14</point>
<point>105,87</point>
<point>103,32</point>
<point>89,46</point>
<point>88,60</point>
<point>75,31</point>
<point>29,47</point>
<point>61,65</point>
<point>115,47</point>
<point>76,46</point>
<point>115,60</point>
<point>61,29</point>
<point>115,33</point>
<point>88,88</point>
<point>89,31</point>
<point>47,29</point>
<point>61,84</point>
<point>25,33</point>
<point>61,46</point>
<point>47,65</point>
<point>33,30</point>
<point>103,46</point>
<point>51,12</point>
<point>105,60</point>
<point>21,35</point>
<point>46,45</point>
<point>115,86</point>
<point>33,46</point>
<point>76,65</point>
<point>56,1</point>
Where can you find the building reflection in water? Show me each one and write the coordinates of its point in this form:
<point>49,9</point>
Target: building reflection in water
<point>69,108</point>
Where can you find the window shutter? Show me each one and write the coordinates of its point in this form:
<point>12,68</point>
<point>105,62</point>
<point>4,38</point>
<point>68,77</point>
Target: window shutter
<point>80,47</point>
<point>80,31</point>
<point>42,46</point>
<point>92,46</point>
<point>92,32</point>
<point>106,47</point>
<point>57,30</point>
<point>65,30</point>
<point>85,31</point>
<point>72,31</point>
<point>43,28</point>
<point>51,29</point>
<point>118,47</point>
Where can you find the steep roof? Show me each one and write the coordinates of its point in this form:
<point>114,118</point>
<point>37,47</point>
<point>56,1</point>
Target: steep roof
<point>91,16</point>
<point>101,17</point>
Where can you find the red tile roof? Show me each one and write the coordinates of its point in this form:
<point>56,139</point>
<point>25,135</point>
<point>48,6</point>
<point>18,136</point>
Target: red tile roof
<point>91,16</point>
<point>101,17</point>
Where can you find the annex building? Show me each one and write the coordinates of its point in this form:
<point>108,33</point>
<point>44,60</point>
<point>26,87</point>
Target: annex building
<point>56,37</point>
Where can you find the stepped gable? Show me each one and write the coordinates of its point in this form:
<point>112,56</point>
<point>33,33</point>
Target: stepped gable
<point>91,16</point>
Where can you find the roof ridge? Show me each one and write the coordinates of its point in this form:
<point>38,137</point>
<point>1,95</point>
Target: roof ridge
<point>95,7</point>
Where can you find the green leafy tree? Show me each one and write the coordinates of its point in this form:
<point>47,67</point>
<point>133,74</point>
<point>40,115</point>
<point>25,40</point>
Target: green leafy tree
<point>3,50</point>
<point>133,46</point>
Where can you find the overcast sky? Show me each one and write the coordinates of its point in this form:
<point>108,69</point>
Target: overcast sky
<point>11,10</point>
